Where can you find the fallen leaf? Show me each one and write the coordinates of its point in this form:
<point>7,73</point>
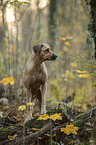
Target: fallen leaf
<point>39,137</point>
<point>7,80</point>
<point>22,107</point>
<point>35,129</point>
<point>11,137</point>
<point>56,116</point>
<point>43,117</point>
<point>69,129</point>
<point>19,119</point>
<point>48,135</point>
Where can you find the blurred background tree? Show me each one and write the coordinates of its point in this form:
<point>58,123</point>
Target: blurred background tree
<point>63,25</point>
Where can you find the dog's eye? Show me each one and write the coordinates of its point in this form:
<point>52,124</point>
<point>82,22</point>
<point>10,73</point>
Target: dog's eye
<point>42,46</point>
<point>47,50</point>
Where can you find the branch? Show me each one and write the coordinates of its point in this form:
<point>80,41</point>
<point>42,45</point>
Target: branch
<point>31,137</point>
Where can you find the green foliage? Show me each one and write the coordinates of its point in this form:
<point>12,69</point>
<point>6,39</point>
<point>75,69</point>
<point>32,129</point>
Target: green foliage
<point>56,92</point>
<point>16,2</point>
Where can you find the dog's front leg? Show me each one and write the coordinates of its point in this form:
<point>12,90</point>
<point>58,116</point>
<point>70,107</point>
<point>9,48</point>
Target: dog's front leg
<point>43,102</point>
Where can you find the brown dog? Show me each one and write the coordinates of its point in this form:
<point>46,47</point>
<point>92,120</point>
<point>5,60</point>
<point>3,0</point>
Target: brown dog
<point>35,73</point>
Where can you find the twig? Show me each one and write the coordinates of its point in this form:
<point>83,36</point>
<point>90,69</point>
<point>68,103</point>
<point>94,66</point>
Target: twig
<point>8,113</point>
<point>31,137</point>
<point>21,17</point>
<point>83,59</point>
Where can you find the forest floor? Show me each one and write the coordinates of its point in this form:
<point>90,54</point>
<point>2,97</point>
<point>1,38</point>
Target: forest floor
<point>59,126</point>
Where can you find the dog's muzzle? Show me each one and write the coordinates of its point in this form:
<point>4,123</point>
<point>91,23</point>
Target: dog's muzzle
<point>53,57</point>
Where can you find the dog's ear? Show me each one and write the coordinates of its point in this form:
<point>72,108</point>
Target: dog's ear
<point>37,49</point>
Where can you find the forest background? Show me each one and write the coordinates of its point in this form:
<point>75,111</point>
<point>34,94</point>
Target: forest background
<point>67,27</point>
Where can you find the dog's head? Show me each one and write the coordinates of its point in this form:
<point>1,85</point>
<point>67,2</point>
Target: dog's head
<point>44,52</point>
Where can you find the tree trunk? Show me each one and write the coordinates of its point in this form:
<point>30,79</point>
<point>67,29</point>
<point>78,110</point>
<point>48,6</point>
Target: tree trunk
<point>52,21</point>
<point>93,14</point>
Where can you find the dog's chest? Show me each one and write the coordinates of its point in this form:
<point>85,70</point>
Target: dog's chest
<point>37,77</point>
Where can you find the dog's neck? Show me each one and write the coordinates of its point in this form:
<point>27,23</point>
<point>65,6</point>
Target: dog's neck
<point>36,63</point>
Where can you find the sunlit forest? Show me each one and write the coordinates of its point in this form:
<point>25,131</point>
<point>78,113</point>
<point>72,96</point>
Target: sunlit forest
<point>69,28</point>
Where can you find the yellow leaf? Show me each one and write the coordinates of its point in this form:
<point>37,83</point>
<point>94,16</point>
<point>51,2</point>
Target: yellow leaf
<point>30,103</point>
<point>83,72</point>
<point>43,117</point>
<point>48,135</point>
<point>69,126</point>
<point>7,80</point>
<point>12,82</point>
<point>19,119</point>
<point>83,75</point>
<point>69,129</point>
<point>93,66</point>
<point>62,38</point>
<point>69,36</point>
<point>73,131</point>
<point>56,116</point>
<point>78,71</point>
<point>67,43</point>
<point>22,108</point>
<point>35,129</point>
<point>39,137</point>
<point>65,131</point>
<point>11,137</point>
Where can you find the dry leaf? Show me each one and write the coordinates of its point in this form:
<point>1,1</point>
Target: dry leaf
<point>70,129</point>
<point>11,137</point>
<point>43,117</point>
<point>39,137</point>
<point>35,129</point>
<point>56,116</point>
<point>7,80</point>
<point>48,135</point>
<point>22,107</point>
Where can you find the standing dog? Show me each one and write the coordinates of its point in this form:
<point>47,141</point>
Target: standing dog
<point>35,73</point>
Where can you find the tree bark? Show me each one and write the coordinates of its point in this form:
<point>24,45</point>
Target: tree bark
<point>93,14</point>
<point>52,21</point>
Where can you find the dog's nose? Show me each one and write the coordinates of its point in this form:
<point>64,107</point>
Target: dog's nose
<point>54,56</point>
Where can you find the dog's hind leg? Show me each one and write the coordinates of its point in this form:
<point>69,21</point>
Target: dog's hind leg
<point>43,103</point>
<point>39,97</point>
